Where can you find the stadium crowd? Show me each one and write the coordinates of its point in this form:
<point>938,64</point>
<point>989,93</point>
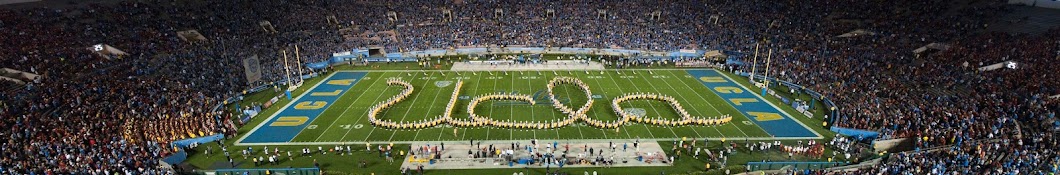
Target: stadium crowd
<point>90,114</point>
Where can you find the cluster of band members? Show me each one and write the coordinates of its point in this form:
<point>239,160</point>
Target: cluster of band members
<point>686,118</point>
<point>476,120</point>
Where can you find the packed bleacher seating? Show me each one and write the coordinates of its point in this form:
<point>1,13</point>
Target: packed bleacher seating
<point>987,121</point>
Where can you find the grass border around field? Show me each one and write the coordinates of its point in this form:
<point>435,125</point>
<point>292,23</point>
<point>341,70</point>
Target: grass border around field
<point>347,164</point>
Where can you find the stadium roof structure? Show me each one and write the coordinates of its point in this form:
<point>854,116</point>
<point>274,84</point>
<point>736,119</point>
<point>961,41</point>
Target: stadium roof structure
<point>17,76</point>
<point>857,32</point>
<point>191,36</point>
<point>106,50</point>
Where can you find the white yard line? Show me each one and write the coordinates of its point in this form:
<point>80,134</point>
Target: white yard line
<point>621,92</point>
<point>458,79</point>
<point>373,127</point>
<point>511,109</point>
<point>491,110</point>
<point>425,83</point>
<point>477,83</point>
<point>532,117</point>
<point>558,135</point>
<point>343,114</point>
<point>716,109</point>
<point>652,107</point>
<point>679,94</point>
<point>771,104</point>
<point>568,97</point>
<point>277,113</point>
<point>431,106</point>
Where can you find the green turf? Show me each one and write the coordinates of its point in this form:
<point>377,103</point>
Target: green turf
<point>347,119</point>
<point>690,92</point>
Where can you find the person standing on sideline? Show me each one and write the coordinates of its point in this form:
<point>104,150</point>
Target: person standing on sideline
<point>389,158</point>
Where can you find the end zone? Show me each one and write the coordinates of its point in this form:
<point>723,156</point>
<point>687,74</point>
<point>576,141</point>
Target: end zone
<point>769,117</point>
<point>285,124</point>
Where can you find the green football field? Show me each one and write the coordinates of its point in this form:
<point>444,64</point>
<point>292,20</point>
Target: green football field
<point>345,118</point>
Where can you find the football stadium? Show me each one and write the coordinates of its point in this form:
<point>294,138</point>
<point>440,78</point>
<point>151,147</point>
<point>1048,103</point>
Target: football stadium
<point>529,87</point>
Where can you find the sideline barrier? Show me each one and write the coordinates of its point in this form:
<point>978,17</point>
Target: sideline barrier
<point>178,156</point>
<point>200,140</point>
<point>860,134</point>
<point>756,166</point>
<point>268,171</point>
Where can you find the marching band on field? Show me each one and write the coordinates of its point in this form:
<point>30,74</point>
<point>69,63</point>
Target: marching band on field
<point>686,118</point>
<point>572,115</point>
<point>580,113</point>
<point>375,110</point>
<point>495,96</point>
